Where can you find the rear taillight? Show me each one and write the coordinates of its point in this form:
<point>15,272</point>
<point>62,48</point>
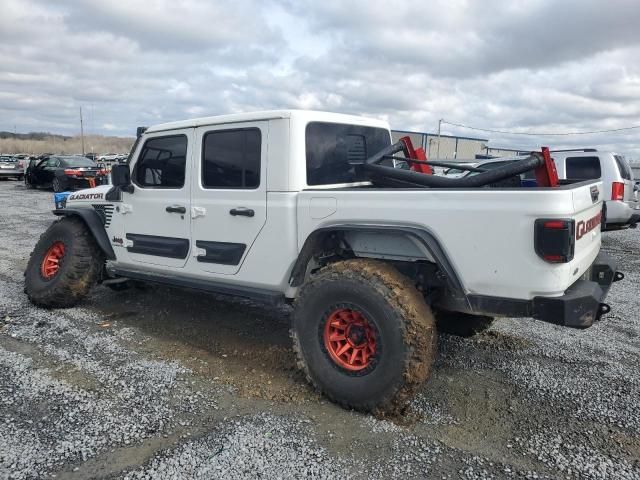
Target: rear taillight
<point>617,191</point>
<point>72,172</point>
<point>554,240</point>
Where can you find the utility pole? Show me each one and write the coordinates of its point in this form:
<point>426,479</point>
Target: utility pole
<point>81,131</point>
<point>438,150</point>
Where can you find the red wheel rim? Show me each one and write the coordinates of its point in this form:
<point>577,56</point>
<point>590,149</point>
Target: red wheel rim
<point>349,339</point>
<point>51,262</point>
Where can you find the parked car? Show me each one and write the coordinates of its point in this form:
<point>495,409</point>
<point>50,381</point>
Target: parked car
<point>108,157</point>
<point>64,173</point>
<point>617,182</point>
<point>11,168</point>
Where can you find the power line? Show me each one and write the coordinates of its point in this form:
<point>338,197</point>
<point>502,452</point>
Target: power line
<point>538,134</point>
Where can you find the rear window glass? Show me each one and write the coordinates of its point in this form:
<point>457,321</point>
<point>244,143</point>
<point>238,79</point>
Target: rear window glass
<point>583,168</point>
<point>623,167</point>
<point>77,162</point>
<point>330,147</point>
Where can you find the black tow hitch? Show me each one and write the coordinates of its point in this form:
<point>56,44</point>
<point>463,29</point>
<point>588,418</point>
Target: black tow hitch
<point>603,309</point>
<point>618,276</point>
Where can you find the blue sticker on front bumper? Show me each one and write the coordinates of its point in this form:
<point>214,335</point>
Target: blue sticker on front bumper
<point>60,199</point>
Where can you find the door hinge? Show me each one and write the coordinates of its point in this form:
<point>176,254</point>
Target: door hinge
<point>198,212</point>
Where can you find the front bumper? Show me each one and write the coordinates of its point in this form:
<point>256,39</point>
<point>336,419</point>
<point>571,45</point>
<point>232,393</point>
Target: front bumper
<point>582,303</point>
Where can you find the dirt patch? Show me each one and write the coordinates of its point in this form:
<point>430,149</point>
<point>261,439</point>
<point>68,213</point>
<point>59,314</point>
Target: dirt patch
<point>501,341</point>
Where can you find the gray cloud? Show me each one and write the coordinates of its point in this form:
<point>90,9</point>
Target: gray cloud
<point>539,66</point>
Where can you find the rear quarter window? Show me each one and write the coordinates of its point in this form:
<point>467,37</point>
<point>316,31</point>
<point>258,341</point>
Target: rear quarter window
<point>623,167</point>
<point>583,168</point>
<point>330,146</point>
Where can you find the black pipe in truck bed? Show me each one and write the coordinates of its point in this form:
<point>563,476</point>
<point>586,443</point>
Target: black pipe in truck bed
<point>379,173</point>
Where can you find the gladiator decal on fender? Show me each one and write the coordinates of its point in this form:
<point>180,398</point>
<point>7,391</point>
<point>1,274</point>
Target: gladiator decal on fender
<point>86,196</point>
<point>585,227</point>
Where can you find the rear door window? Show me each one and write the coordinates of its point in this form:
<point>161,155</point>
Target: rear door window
<point>231,158</point>
<point>623,167</point>
<point>583,168</point>
<point>330,147</point>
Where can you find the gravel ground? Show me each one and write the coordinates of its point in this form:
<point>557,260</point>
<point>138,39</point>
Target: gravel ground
<point>164,383</point>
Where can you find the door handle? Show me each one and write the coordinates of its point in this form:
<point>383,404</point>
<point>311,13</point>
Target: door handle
<point>176,209</point>
<point>245,212</point>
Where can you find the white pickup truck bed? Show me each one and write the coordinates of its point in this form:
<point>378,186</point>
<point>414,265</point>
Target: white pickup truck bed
<point>488,235</point>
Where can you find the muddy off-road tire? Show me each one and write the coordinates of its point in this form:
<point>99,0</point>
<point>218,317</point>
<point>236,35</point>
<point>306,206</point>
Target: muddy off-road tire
<point>462,324</point>
<point>364,335</point>
<point>64,265</point>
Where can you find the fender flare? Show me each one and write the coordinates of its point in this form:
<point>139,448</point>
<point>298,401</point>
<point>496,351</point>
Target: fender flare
<point>94,223</point>
<point>426,238</point>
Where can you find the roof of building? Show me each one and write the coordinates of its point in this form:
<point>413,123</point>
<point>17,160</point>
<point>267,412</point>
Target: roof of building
<point>411,132</point>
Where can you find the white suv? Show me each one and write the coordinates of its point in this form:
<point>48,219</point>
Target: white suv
<point>621,210</point>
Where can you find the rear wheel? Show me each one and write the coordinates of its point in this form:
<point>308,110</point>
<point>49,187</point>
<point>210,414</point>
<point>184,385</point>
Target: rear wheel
<point>364,335</point>
<point>56,185</point>
<point>462,324</point>
<point>64,265</point>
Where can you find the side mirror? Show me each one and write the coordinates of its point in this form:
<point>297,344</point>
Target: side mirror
<point>121,178</point>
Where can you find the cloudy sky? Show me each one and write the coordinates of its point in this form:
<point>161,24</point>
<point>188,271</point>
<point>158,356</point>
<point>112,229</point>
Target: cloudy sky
<point>529,66</point>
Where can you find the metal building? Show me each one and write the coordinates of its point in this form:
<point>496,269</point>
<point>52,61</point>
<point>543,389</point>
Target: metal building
<point>445,147</point>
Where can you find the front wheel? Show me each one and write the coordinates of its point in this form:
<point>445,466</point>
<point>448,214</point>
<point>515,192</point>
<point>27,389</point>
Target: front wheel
<point>64,265</point>
<point>364,335</point>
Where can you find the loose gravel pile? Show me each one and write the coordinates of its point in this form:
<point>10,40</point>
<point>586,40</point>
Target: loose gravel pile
<point>85,395</point>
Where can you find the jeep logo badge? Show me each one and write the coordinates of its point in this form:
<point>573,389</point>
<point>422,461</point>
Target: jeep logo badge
<point>595,194</point>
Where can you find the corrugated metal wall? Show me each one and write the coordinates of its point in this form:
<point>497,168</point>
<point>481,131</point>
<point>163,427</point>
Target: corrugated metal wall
<point>451,148</point>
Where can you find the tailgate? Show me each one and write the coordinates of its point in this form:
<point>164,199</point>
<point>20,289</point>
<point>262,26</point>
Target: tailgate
<point>587,203</point>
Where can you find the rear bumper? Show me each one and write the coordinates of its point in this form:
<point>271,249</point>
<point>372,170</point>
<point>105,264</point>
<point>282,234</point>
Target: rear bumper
<point>579,307</point>
<point>620,214</point>
<point>74,183</point>
<point>11,173</point>
<point>582,303</point>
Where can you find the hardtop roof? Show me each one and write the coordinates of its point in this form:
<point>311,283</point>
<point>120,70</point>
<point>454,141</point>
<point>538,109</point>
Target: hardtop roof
<point>298,115</point>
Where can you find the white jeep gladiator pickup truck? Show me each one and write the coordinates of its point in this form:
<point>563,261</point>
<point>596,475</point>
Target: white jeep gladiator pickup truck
<point>315,208</point>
